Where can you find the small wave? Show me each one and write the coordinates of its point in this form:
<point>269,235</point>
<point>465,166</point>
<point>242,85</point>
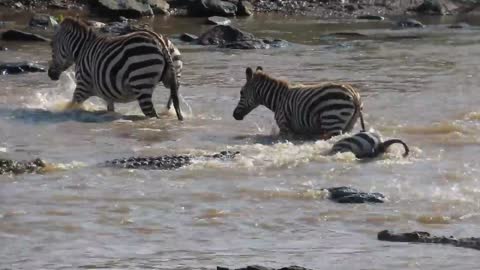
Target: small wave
<point>438,128</point>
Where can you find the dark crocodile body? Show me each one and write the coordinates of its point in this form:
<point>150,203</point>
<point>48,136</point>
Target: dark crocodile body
<point>8,166</point>
<point>165,162</point>
<point>425,237</point>
<point>351,195</point>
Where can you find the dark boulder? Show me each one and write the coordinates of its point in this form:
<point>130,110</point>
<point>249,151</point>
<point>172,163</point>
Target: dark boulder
<point>43,21</point>
<point>16,35</point>
<point>205,8</point>
<point>409,23</point>
<point>436,7</point>
<point>224,34</point>
<point>217,20</point>
<point>17,68</point>
<point>186,37</point>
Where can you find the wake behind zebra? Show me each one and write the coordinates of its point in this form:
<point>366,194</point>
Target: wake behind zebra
<point>117,69</point>
<point>320,111</point>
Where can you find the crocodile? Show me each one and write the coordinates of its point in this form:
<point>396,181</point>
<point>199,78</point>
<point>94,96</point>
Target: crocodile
<point>425,237</point>
<point>167,162</point>
<point>8,166</point>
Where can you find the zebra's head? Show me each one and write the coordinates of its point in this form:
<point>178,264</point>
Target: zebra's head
<point>248,96</point>
<point>64,44</point>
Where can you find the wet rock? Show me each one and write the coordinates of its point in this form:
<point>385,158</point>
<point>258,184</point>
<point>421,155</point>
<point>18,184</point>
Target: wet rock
<point>96,25</point>
<point>134,8</point>
<point>246,45</point>
<point>17,68</point>
<point>351,195</point>
<point>165,162</point>
<point>409,23</point>
<point>350,7</point>
<point>3,48</point>
<point>459,26</point>
<point>217,20</point>
<point>436,7</point>
<point>56,4</point>
<point>186,37</point>
<point>425,237</point>
<point>16,35</point>
<point>8,166</point>
<point>276,43</point>
<point>205,8</point>
<point>371,17</point>
<point>224,34</point>
<point>244,8</point>
<point>43,21</point>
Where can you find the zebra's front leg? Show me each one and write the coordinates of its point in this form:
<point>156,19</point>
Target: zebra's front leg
<point>145,102</point>
<point>79,96</point>
<point>285,130</point>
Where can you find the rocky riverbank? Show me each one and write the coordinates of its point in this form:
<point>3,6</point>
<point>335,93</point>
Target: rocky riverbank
<point>367,9</point>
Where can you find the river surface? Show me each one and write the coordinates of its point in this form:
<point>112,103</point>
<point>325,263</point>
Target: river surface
<point>264,207</point>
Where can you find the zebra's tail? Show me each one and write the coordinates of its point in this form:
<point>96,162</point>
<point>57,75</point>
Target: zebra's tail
<point>358,105</point>
<point>388,143</point>
<point>170,72</point>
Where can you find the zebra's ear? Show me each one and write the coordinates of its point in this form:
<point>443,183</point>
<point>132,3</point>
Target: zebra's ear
<point>259,68</point>
<point>249,73</point>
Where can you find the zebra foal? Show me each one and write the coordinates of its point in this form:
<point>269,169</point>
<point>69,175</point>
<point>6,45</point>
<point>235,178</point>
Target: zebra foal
<point>117,69</point>
<point>366,144</point>
<point>320,111</point>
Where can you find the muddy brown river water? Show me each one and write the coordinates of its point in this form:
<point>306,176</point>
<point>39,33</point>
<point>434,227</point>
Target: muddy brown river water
<point>263,207</point>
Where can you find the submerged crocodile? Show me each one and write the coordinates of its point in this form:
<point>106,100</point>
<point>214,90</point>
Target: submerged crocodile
<point>170,162</point>
<point>425,237</point>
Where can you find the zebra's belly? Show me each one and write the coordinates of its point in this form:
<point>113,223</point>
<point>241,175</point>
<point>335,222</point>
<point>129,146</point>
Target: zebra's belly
<point>124,97</point>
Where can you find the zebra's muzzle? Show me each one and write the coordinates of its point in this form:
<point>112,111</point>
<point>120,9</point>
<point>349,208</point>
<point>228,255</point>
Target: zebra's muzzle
<point>53,75</point>
<point>238,115</point>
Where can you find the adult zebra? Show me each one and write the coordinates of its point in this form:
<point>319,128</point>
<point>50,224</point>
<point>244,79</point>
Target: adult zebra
<point>116,69</point>
<point>320,111</point>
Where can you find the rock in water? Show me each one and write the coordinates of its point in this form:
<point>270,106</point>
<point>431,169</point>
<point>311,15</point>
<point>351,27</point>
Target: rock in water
<point>205,8</point>
<point>16,35</point>
<point>43,20</point>
<point>217,20</point>
<point>186,37</point>
<point>371,17</point>
<point>223,34</point>
<point>409,23</point>
<point>17,68</point>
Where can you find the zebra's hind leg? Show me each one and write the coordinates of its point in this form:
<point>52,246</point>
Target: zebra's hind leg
<point>169,103</point>
<point>110,106</point>
<point>145,102</point>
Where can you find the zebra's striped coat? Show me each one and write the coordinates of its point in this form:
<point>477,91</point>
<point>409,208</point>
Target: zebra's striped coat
<point>116,69</point>
<point>320,111</point>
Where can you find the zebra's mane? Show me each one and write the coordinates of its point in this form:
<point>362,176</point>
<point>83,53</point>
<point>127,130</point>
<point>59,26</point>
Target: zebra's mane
<point>76,24</point>
<point>263,76</point>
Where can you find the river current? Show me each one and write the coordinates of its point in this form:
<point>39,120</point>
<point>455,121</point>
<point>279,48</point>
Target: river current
<point>264,207</point>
